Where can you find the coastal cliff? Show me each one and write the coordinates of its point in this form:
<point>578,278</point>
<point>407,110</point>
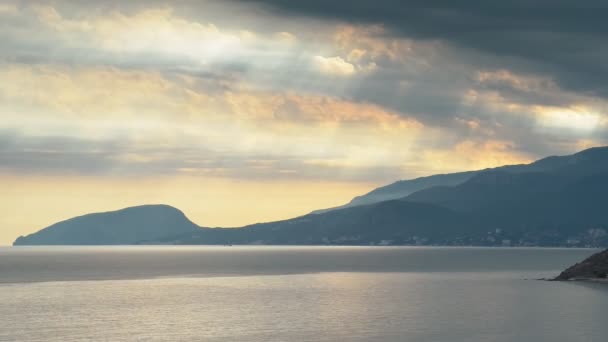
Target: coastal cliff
<point>593,268</point>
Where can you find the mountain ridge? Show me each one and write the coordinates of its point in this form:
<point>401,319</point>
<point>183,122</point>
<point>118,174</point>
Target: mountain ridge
<point>554,201</point>
<point>404,188</point>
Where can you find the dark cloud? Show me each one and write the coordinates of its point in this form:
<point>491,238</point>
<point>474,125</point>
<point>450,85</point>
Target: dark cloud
<point>59,155</point>
<point>54,155</point>
<point>451,42</point>
<point>566,39</point>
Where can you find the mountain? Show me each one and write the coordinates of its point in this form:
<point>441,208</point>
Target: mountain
<point>122,227</point>
<point>556,201</point>
<point>514,215</point>
<point>579,164</point>
<point>403,188</point>
<point>594,267</point>
<point>544,178</point>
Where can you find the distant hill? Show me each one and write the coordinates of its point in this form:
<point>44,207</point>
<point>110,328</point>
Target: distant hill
<point>122,227</point>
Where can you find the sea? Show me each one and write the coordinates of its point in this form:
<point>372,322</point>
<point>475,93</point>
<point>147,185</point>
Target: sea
<point>261,293</point>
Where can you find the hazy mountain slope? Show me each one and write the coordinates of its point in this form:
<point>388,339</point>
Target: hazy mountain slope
<point>517,209</point>
<point>126,226</point>
<point>582,163</point>
<point>501,186</point>
<point>489,188</point>
<point>578,204</point>
<point>403,188</point>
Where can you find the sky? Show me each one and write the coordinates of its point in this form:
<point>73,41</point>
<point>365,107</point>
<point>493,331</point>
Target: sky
<point>244,111</point>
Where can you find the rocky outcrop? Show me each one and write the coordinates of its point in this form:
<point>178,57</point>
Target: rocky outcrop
<point>594,267</point>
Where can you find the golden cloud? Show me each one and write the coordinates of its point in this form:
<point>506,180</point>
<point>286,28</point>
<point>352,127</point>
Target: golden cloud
<point>156,33</point>
<point>576,119</point>
<point>470,155</point>
<point>521,82</point>
<point>334,66</point>
<point>156,113</point>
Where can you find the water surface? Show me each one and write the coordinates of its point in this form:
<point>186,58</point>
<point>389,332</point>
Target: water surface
<point>295,294</point>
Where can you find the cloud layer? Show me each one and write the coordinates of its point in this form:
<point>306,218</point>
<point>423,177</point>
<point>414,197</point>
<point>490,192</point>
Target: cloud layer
<point>563,39</point>
<point>291,105</point>
<point>367,92</point>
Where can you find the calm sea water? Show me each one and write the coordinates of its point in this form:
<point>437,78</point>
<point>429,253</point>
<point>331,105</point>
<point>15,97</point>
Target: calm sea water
<point>296,294</point>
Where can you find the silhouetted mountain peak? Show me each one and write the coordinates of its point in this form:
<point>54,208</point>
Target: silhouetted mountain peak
<point>124,226</point>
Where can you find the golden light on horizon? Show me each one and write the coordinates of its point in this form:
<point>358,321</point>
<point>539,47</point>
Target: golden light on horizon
<point>207,202</point>
<point>212,106</point>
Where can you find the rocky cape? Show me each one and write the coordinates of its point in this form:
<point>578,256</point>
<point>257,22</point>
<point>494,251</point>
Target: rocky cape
<point>593,268</point>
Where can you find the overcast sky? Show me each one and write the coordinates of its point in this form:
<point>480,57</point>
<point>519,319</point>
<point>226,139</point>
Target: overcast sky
<point>247,111</point>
